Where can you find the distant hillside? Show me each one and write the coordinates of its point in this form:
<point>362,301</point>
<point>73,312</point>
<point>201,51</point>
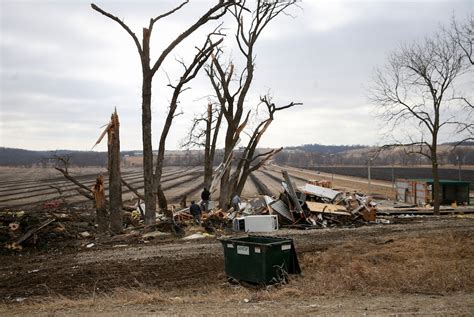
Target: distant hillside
<point>331,155</point>
<point>27,158</point>
<point>308,156</point>
<point>324,149</point>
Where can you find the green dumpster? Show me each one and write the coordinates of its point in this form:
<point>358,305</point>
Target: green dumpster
<point>260,259</point>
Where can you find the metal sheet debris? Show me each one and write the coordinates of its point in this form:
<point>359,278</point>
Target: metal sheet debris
<point>328,193</point>
<point>281,208</point>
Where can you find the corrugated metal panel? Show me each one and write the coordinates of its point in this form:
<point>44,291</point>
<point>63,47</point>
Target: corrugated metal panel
<point>421,193</point>
<point>404,192</point>
<point>281,208</point>
<point>319,191</point>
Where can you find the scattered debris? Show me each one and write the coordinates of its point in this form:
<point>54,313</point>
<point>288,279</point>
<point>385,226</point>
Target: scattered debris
<point>53,204</point>
<point>155,234</point>
<point>31,232</point>
<point>85,234</point>
<point>198,235</point>
<point>14,226</point>
<point>120,246</point>
<point>322,183</point>
<point>314,205</point>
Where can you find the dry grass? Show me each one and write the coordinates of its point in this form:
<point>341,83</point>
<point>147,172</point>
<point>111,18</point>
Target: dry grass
<point>430,265</point>
<point>427,265</point>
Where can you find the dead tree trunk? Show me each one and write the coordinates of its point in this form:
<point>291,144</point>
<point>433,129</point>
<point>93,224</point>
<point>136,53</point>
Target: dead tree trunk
<point>418,88</point>
<point>190,72</point>
<point>148,71</point>
<point>205,135</point>
<point>207,149</point>
<point>101,216</point>
<point>150,199</point>
<point>115,184</point>
<point>233,97</point>
<point>211,142</point>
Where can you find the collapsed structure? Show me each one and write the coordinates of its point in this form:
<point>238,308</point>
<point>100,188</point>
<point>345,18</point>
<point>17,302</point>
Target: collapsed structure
<point>420,191</point>
<point>314,205</point>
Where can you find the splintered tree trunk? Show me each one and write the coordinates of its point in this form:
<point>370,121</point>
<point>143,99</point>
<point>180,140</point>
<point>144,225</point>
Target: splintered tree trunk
<point>115,184</point>
<point>101,210</point>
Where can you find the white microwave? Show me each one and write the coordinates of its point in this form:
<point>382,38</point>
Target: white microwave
<point>258,223</point>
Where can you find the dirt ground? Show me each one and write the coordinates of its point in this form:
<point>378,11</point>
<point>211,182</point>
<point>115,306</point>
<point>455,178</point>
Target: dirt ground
<point>413,266</point>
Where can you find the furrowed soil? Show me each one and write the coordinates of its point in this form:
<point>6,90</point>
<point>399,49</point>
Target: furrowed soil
<point>413,266</point>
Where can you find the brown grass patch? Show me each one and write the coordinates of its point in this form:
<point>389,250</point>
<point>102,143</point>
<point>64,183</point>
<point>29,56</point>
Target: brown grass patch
<point>430,264</point>
<point>436,264</point>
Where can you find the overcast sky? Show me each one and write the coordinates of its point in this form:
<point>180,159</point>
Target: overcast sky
<point>64,68</point>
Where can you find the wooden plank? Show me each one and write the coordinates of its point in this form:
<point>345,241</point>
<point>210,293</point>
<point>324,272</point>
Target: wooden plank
<point>30,232</point>
<point>327,208</point>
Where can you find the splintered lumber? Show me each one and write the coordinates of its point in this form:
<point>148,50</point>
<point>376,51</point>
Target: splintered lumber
<point>321,183</point>
<point>291,192</point>
<point>32,231</point>
<point>99,198</point>
<point>14,226</point>
<point>268,201</point>
<point>369,214</point>
<point>327,208</point>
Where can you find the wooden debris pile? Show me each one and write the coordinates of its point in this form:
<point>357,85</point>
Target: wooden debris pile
<point>20,229</point>
<point>308,206</point>
<point>314,206</point>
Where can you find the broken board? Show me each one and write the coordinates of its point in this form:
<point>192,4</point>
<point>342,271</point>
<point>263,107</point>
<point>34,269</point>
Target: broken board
<point>327,208</point>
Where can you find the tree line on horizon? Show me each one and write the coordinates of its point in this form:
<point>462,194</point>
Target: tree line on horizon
<point>308,155</point>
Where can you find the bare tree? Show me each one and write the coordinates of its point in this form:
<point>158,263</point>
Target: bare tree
<point>232,99</point>
<point>190,72</point>
<point>462,34</point>
<point>250,160</point>
<point>413,92</point>
<point>148,72</point>
<point>203,134</point>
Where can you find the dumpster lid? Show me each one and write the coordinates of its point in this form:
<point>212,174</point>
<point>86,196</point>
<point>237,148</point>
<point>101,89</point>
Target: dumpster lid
<point>258,240</point>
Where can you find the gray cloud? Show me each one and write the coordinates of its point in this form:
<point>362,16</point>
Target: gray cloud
<point>64,68</point>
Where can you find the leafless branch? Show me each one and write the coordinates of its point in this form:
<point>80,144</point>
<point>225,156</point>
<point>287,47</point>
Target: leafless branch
<point>122,24</point>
